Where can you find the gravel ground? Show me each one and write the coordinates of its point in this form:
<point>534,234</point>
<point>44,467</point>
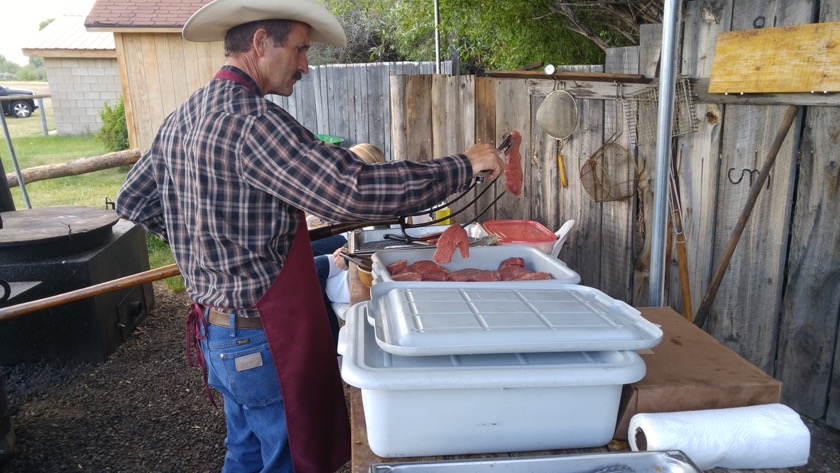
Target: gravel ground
<point>144,410</point>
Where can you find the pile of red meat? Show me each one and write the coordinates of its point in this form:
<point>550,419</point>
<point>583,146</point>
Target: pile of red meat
<point>511,269</point>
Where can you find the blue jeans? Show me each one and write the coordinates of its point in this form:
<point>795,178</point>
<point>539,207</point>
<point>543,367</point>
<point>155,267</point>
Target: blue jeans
<point>240,366</point>
<point>326,245</point>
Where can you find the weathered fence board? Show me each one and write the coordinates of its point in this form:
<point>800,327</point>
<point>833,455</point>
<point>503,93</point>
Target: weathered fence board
<point>513,112</point>
<point>398,116</point>
<point>582,250</point>
<point>617,216</point>
<point>698,160</point>
<point>542,182</point>
<point>418,98</point>
<point>485,132</point>
<point>751,287</point>
<point>809,362</point>
<point>830,11</point>
<point>812,293</point>
<point>351,101</point>
<point>445,117</point>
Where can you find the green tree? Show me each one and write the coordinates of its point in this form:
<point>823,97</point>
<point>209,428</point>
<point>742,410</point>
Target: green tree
<point>496,34</point>
<point>8,67</point>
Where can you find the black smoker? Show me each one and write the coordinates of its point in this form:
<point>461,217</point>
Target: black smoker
<point>7,432</point>
<point>50,251</point>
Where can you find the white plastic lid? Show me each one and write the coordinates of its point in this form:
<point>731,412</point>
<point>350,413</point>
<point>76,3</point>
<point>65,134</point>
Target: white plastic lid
<point>428,318</point>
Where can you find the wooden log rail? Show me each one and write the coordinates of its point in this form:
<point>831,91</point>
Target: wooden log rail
<point>8,98</point>
<point>75,167</point>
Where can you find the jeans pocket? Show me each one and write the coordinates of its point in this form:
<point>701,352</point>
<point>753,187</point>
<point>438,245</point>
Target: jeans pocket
<point>246,373</point>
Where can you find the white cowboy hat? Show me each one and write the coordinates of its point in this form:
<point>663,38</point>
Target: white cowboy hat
<point>212,21</point>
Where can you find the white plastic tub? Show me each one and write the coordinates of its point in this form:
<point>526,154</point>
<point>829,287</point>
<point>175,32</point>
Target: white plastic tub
<point>461,404</point>
<point>481,257</point>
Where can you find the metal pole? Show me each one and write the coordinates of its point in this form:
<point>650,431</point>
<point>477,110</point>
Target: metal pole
<point>667,79</point>
<point>43,116</point>
<point>14,161</point>
<point>437,37</point>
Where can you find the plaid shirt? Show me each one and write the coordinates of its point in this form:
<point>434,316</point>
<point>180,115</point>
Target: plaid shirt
<point>229,173</point>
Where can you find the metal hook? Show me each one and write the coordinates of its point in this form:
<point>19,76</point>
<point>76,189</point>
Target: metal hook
<point>729,176</point>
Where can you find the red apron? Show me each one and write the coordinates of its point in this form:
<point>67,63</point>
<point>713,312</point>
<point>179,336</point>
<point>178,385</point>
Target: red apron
<point>302,347</point>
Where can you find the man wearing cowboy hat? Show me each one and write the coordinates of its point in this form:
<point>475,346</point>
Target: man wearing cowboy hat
<point>226,183</point>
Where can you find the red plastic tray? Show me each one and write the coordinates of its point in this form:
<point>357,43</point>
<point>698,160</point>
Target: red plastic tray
<point>520,231</point>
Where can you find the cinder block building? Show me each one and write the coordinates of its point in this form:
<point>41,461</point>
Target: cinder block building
<point>82,72</point>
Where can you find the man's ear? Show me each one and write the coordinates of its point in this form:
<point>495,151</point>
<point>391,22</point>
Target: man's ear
<point>258,42</point>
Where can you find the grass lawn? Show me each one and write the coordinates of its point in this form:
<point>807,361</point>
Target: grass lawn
<point>32,148</point>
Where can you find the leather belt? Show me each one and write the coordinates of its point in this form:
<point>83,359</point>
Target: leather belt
<point>222,319</point>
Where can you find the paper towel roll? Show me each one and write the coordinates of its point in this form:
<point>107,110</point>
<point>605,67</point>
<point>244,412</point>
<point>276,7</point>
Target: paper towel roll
<point>764,436</point>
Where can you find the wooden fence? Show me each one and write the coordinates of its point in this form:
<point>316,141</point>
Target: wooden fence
<point>351,101</point>
<point>779,302</point>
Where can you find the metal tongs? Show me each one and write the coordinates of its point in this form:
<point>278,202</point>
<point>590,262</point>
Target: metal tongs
<point>504,147</point>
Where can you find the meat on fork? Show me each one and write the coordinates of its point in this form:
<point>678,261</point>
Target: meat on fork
<point>513,171</point>
<point>452,237</point>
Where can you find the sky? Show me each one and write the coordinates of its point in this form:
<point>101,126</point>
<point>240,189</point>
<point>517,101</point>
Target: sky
<point>21,19</point>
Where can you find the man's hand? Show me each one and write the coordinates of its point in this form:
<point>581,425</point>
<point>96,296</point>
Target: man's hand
<point>338,259</point>
<point>486,160</point>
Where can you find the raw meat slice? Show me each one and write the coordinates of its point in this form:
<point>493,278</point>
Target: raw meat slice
<point>435,276</point>
<point>474,274</point>
<point>407,276</point>
<point>510,269</point>
<point>518,273</point>
<point>429,270</point>
<point>512,273</point>
<point>513,171</point>
<point>488,275</point>
<point>397,267</point>
<point>452,237</point>
<point>513,261</point>
<point>425,266</point>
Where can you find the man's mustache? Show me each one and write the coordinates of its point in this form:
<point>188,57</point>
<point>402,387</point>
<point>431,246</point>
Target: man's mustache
<point>298,75</point>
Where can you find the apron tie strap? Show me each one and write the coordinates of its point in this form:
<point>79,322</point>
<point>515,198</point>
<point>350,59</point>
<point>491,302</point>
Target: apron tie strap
<point>193,336</point>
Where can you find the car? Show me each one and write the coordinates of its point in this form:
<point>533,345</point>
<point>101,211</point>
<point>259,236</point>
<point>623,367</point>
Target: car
<point>20,108</point>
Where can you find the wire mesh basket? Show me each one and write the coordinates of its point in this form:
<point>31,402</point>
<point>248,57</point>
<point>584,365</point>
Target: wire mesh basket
<point>641,110</point>
<point>610,173</point>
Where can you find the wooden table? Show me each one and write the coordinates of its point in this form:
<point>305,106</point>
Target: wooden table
<point>362,457</point>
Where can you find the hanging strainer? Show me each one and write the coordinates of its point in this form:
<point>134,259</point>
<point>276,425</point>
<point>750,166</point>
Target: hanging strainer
<point>558,118</point>
<point>610,172</point>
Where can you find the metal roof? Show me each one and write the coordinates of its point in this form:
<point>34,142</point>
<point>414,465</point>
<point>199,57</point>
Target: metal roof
<point>68,33</point>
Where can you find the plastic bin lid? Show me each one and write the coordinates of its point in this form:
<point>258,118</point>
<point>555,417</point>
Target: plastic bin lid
<point>428,318</point>
<point>519,231</point>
